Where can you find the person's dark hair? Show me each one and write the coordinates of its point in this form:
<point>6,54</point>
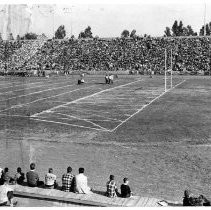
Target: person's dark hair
<point>81,170</point>
<point>111,177</point>
<point>50,170</point>
<point>69,169</point>
<point>125,179</point>
<point>32,166</point>
<point>186,193</point>
<point>19,169</point>
<point>6,170</point>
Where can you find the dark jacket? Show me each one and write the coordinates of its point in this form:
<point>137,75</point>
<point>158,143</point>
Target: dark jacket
<point>32,178</point>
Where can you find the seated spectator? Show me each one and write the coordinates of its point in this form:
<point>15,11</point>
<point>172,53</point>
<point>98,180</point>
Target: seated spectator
<point>190,200</point>
<point>186,199</point>
<point>111,187</point>
<point>68,181</point>
<point>6,176</point>
<point>50,179</point>
<point>81,185</point>
<point>125,189</point>
<point>6,195</point>
<point>33,177</point>
<point>19,176</point>
<point>204,201</point>
<point>1,180</point>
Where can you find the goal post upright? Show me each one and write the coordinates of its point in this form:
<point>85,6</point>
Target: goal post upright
<point>171,68</point>
<point>165,70</point>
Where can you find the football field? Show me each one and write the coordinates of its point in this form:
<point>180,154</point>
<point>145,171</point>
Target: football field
<point>159,140</point>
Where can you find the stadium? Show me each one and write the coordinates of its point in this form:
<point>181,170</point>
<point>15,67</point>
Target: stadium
<point>151,125</point>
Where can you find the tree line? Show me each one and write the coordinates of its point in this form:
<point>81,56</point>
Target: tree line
<point>177,29</point>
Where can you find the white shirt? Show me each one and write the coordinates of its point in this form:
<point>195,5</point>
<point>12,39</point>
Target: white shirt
<point>4,189</point>
<point>81,184</point>
<point>50,179</point>
<point>111,77</point>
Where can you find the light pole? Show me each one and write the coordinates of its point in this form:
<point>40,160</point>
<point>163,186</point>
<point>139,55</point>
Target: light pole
<point>52,11</point>
<point>68,10</point>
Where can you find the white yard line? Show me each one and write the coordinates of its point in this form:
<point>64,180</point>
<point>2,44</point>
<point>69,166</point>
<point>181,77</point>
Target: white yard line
<point>74,125</point>
<point>41,91</point>
<point>78,118</point>
<point>41,99</point>
<point>44,85</point>
<point>21,84</point>
<point>139,110</point>
<point>71,102</point>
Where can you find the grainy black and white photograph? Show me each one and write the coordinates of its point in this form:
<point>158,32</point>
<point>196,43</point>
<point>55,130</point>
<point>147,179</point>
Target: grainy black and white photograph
<point>105,103</point>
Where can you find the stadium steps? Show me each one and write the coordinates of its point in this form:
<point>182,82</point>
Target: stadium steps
<point>94,199</point>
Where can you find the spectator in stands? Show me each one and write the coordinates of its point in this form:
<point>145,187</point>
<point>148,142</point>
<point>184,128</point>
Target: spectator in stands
<point>6,195</point>
<point>111,186</point>
<point>68,181</point>
<point>50,180</point>
<point>125,189</point>
<point>33,177</point>
<point>19,176</point>
<point>81,185</point>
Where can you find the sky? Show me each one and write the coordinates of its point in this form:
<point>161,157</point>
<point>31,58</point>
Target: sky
<point>109,18</point>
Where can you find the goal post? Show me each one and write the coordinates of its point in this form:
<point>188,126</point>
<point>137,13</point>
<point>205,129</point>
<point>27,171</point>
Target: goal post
<point>168,71</point>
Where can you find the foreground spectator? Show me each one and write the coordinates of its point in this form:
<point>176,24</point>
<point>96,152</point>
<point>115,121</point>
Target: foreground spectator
<point>33,177</point>
<point>68,181</point>
<point>19,176</point>
<point>81,183</point>
<point>190,200</point>
<point>50,179</point>
<point>6,195</point>
<point>125,189</point>
<point>111,187</point>
<point>6,175</point>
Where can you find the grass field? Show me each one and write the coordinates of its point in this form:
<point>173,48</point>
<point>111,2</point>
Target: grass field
<point>160,141</point>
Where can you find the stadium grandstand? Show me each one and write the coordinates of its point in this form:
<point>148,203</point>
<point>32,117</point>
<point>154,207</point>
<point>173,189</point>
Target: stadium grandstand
<point>190,54</point>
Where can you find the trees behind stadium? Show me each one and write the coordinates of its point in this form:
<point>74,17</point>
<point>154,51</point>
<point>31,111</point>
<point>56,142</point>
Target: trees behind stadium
<point>178,29</point>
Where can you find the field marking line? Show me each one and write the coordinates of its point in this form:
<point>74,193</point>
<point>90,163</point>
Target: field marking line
<point>32,87</point>
<point>20,84</point>
<point>78,118</point>
<point>79,99</point>
<point>14,115</point>
<point>74,125</point>
<point>41,99</point>
<point>84,111</point>
<point>41,91</point>
<point>146,105</point>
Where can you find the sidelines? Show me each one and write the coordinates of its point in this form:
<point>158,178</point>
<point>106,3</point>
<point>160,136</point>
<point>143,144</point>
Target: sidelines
<point>139,110</point>
<point>74,101</point>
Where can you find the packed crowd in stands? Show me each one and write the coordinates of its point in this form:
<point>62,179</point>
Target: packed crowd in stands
<point>73,183</point>
<point>190,53</point>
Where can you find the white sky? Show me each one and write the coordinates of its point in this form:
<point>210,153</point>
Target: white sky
<point>110,18</point>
